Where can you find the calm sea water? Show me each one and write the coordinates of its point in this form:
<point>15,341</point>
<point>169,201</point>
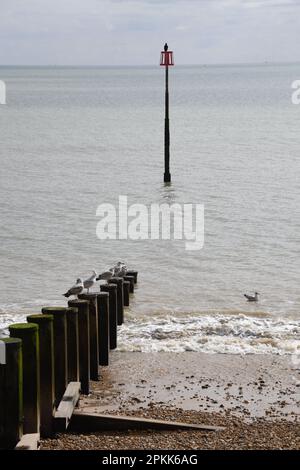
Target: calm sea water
<point>73,138</point>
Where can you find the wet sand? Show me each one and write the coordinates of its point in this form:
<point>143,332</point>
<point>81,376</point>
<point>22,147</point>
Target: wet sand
<point>255,397</point>
<point>249,386</point>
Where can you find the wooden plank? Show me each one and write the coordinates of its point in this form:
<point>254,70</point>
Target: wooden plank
<point>66,407</point>
<point>29,442</point>
<point>98,422</point>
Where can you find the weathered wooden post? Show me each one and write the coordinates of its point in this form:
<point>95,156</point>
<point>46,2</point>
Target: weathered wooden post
<point>94,342</point>
<point>60,349</point>
<point>11,392</point>
<point>120,298</point>
<point>72,344</point>
<point>28,333</point>
<point>126,292</point>
<point>47,386</point>
<point>84,342</point>
<point>132,273</point>
<point>103,327</point>
<point>112,302</point>
<point>131,280</point>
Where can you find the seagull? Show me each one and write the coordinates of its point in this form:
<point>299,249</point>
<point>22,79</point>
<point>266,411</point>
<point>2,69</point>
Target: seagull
<point>76,289</point>
<point>88,283</point>
<point>106,275</point>
<point>120,269</point>
<point>123,271</point>
<point>252,298</point>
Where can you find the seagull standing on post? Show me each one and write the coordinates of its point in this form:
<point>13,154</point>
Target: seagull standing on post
<point>120,269</point>
<point>76,289</point>
<point>106,275</point>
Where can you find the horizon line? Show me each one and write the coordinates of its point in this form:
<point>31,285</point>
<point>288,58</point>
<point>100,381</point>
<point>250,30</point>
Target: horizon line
<point>215,64</point>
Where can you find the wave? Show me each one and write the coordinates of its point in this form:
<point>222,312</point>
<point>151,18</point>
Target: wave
<point>209,332</point>
<point>218,333</point>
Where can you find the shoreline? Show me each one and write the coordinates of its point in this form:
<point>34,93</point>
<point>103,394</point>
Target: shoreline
<point>255,397</point>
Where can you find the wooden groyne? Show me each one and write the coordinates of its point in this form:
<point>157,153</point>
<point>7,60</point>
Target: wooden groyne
<point>47,362</point>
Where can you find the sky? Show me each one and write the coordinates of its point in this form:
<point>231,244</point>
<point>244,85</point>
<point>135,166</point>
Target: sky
<point>132,32</point>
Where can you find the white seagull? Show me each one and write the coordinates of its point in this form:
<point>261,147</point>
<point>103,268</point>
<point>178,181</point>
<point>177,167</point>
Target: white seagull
<point>252,298</point>
<point>76,289</point>
<point>89,282</point>
<point>120,269</point>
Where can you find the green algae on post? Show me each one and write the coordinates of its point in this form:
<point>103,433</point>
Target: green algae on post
<point>11,393</point>
<point>28,333</point>
<point>47,382</point>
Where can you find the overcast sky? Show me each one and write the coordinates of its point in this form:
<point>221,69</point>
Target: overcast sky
<point>125,32</point>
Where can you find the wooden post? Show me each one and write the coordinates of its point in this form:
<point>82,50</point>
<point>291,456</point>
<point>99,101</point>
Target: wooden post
<point>28,333</point>
<point>66,407</point>
<point>120,299</point>
<point>126,292</point>
<point>60,349</point>
<point>134,274</point>
<point>83,422</point>
<point>29,442</point>
<point>11,392</point>
<point>94,342</point>
<point>47,386</point>
<point>72,344</point>
<point>84,343</point>
<point>131,280</point>
<point>112,291</point>
<point>103,326</point>
<point>167,175</point>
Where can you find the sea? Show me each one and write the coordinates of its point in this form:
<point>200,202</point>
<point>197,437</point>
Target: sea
<point>74,138</point>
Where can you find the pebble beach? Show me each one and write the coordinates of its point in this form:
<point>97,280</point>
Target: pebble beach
<point>255,398</point>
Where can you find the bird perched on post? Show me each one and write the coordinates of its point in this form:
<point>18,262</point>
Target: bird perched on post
<point>89,282</point>
<point>252,298</point>
<point>106,275</point>
<point>166,47</point>
<point>76,289</point>
<point>120,269</point>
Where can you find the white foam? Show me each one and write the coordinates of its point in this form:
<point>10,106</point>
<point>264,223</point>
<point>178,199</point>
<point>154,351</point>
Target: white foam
<point>177,331</point>
<point>218,333</point>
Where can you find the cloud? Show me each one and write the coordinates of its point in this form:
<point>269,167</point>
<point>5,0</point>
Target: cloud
<point>116,32</point>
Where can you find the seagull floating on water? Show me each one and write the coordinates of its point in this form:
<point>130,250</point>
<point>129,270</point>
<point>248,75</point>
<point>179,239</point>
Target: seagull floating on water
<point>88,283</point>
<point>76,289</point>
<point>252,298</point>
